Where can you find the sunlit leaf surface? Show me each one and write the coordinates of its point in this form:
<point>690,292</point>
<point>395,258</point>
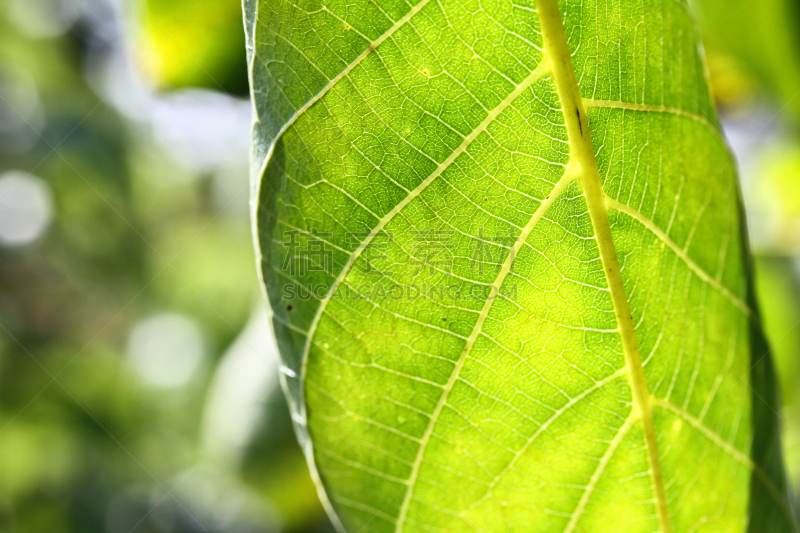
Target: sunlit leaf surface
<point>503,246</point>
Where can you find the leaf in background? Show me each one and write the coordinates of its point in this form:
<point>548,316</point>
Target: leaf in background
<point>778,289</point>
<point>775,202</point>
<point>507,267</point>
<point>762,37</point>
<point>191,44</point>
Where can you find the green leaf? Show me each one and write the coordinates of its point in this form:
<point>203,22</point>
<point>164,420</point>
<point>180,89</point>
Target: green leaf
<point>763,37</point>
<point>176,50</point>
<point>503,246</point>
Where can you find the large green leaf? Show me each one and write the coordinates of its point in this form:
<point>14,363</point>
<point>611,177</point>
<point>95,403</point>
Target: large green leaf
<point>507,266</point>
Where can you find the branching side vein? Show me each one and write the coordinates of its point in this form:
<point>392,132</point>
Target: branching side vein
<point>567,178</point>
<point>582,153</point>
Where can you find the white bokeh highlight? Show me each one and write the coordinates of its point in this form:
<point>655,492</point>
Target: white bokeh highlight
<point>26,208</point>
<point>166,350</point>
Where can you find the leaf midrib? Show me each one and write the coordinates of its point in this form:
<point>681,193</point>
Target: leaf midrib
<point>582,150</point>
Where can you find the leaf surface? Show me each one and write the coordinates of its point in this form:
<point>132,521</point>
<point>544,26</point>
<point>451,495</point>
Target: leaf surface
<point>503,246</point>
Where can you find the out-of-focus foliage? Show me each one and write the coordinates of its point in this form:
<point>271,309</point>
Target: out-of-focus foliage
<point>778,290</point>
<point>138,241</point>
<point>197,44</point>
<point>776,192</point>
<point>753,41</point>
<point>779,296</point>
<point>119,307</point>
<point>754,60</point>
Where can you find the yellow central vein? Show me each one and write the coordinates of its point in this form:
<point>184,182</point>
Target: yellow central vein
<point>582,152</point>
<point>568,176</point>
<point>694,267</point>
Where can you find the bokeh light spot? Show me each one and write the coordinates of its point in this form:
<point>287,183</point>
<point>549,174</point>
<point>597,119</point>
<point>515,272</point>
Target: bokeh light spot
<point>166,350</point>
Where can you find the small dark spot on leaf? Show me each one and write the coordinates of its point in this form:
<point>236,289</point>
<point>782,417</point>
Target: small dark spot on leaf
<point>580,126</point>
<point>444,319</point>
<point>289,308</point>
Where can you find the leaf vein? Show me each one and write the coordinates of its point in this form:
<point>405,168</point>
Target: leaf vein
<point>650,108</point>
<point>557,48</point>
<point>680,252</point>
<point>476,330</point>
<point>535,75</point>
<point>731,450</point>
<point>598,473</point>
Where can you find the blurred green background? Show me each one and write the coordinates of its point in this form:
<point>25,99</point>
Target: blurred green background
<point>138,380</point>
